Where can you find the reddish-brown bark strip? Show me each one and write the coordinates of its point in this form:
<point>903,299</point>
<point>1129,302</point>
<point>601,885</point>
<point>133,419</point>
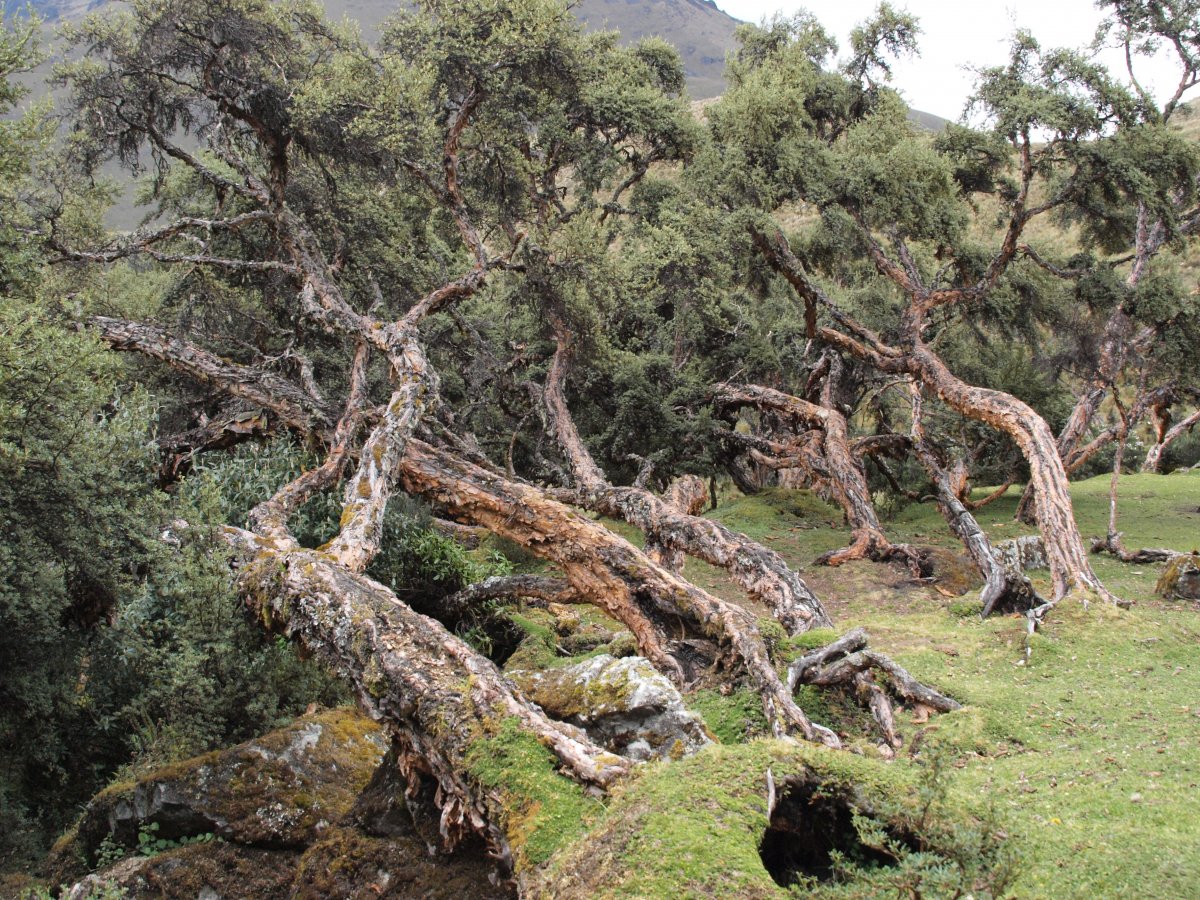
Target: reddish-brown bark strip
<point>1002,589</point>
<point>605,568</point>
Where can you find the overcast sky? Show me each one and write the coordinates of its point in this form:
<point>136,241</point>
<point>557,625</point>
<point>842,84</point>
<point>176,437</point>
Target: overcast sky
<point>961,34</point>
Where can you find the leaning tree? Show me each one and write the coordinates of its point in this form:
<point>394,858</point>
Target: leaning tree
<point>887,254</point>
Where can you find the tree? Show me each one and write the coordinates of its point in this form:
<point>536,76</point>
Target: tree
<point>793,133</point>
<point>352,205</point>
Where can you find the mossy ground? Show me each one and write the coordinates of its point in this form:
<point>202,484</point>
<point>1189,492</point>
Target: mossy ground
<point>1091,753</point>
<point>545,810</point>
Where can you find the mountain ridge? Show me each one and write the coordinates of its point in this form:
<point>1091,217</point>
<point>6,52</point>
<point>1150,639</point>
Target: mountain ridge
<point>700,30</point>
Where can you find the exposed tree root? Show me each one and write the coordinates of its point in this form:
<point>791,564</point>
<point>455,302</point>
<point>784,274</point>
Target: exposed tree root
<point>849,664</point>
<point>1114,546</point>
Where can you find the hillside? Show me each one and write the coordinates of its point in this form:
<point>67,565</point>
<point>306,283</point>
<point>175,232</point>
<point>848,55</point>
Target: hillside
<point>701,31</point>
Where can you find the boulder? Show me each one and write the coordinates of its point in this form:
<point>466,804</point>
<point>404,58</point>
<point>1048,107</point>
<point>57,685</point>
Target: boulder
<point>276,792</point>
<point>1021,554</point>
<point>1180,579</point>
<point>316,809</point>
<point>623,704</point>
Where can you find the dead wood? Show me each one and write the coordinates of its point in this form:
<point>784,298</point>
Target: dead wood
<point>847,663</point>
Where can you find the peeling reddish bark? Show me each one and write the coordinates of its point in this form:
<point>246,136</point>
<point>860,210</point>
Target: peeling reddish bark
<point>605,568</point>
<point>1169,436</point>
<point>761,572</point>
<point>1002,590</point>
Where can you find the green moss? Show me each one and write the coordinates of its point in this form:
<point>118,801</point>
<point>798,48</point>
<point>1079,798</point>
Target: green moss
<point>1089,752</point>
<point>546,810</point>
<point>773,634</point>
<point>692,828</point>
<point>799,644</point>
<point>539,648</point>
<point>732,718</point>
<point>965,609</point>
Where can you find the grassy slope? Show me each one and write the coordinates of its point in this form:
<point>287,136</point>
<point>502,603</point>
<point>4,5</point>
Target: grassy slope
<point>1093,750</point>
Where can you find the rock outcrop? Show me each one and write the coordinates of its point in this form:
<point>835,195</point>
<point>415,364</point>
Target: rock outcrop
<point>317,809</point>
<point>1022,554</point>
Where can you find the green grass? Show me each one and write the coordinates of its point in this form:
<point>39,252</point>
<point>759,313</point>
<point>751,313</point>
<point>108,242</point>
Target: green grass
<point>1091,753</point>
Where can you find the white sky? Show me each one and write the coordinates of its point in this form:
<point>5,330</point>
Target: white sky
<point>964,33</point>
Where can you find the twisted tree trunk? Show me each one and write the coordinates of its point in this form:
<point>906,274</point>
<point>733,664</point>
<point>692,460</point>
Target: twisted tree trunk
<point>1002,589</point>
<point>829,463</point>
<point>1154,456</point>
<point>606,569</point>
<point>689,495</point>
<point>1070,568</point>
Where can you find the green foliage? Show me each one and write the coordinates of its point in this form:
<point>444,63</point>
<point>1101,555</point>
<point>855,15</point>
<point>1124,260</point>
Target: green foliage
<point>932,850</point>
<point>22,137</point>
<point>76,529</point>
<point>419,564</point>
<point>149,844</point>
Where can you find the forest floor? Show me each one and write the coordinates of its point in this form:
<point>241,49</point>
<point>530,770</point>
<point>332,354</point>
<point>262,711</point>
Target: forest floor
<point>1087,757</point>
<point>1090,754</point>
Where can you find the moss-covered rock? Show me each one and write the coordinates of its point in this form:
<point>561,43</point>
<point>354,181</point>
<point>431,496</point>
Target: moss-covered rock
<point>278,791</point>
<point>315,809</point>
<point>217,871</point>
<point>1180,579</point>
<point>624,704</point>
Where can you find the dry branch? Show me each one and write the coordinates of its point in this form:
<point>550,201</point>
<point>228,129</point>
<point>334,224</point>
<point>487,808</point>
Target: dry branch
<point>847,663</point>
